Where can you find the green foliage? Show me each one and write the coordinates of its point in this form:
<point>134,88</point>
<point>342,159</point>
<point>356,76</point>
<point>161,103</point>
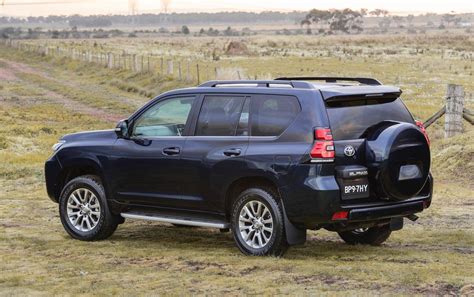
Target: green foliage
<point>345,20</point>
<point>185,30</point>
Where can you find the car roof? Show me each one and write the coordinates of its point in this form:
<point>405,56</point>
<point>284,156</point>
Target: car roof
<point>328,90</point>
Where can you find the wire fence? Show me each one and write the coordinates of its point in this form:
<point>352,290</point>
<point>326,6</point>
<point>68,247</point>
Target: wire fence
<point>182,69</point>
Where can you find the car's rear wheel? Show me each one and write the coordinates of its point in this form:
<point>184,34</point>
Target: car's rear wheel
<point>373,236</point>
<point>258,224</point>
<point>83,209</point>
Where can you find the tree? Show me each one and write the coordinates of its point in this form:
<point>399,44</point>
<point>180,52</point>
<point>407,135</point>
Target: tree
<point>317,17</point>
<point>346,20</point>
<point>398,19</point>
<point>185,30</point>
<point>384,24</point>
<point>379,12</point>
<point>451,18</point>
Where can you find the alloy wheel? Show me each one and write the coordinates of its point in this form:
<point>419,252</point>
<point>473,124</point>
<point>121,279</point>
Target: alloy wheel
<point>83,210</point>
<point>255,224</point>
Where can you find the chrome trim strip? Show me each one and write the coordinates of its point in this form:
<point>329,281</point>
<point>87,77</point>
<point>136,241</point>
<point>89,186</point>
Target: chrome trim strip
<point>176,221</point>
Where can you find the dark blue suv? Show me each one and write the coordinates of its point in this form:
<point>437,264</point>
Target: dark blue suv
<point>266,159</point>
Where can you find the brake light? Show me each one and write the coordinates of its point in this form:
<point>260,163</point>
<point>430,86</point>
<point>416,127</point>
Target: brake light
<point>340,215</point>
<point>323,146</point>
<point>423,130</point>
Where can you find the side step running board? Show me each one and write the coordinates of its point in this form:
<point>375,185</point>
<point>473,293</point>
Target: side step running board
<point>180,220</point>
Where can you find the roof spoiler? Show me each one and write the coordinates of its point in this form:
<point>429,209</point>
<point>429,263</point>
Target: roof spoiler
<point>334,79</point>
<point>360,92</point>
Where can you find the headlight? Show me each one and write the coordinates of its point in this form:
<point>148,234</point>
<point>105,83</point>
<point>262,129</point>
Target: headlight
<point>58,145</point>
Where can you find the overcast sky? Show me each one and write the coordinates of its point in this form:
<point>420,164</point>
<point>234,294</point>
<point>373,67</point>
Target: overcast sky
<point>86,7</point>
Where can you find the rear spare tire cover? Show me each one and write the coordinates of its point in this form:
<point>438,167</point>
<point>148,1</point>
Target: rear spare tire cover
<point>398,158</point>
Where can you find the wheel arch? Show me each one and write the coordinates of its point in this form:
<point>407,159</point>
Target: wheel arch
<point>78,167</point>
<point>240,184</point>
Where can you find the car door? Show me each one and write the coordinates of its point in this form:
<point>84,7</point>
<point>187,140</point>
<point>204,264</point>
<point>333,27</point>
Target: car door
<point>147,168</point>
<point>215,152</point>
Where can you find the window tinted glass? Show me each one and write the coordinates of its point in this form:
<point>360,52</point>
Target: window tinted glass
<point>219,115</point>
<point>351,119</point>
<point>166,118</point>
<point>271,115</point>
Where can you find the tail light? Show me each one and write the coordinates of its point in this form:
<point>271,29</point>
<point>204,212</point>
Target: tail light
<point>423,130</point>
<point>323,147</point>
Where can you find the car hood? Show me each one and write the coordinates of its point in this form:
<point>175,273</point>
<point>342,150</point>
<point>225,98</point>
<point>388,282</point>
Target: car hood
<point>90,135</point>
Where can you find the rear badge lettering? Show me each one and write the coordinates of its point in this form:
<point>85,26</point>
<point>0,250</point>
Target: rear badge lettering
<point>358,173</point>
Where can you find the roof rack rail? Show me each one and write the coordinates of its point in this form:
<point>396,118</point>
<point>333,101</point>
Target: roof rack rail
<point>258,83</point>
<point>331,79</point>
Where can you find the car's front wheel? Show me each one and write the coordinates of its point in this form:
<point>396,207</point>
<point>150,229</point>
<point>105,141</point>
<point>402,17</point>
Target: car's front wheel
<point>373,236</point>
<point>83,209</point>
<point>258,224</point>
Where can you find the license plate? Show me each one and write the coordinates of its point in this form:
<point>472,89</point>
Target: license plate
<point>355,189</point>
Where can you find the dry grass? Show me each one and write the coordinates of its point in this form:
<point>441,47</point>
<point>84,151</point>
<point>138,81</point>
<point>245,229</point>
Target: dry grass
<point>433,256</point>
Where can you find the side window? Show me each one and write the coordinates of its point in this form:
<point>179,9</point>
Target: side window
<point>272,114</point>
<point>166,118</point>
<point>220,115</point>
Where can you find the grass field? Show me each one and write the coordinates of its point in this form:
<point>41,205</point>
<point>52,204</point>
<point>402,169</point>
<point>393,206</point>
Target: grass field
<point>42,98</point>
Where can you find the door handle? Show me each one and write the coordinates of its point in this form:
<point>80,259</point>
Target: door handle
<point>171,151</point>
<point>232,152</point>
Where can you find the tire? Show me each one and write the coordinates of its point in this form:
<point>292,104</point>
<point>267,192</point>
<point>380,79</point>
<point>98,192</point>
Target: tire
<point>373,236</point>
<point>97,221</point>
<point>260,242</point>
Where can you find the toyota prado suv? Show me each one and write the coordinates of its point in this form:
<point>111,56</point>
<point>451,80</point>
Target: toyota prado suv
<point>266,160</point>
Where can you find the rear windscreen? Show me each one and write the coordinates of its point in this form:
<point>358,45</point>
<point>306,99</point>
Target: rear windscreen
<point>350,118</point>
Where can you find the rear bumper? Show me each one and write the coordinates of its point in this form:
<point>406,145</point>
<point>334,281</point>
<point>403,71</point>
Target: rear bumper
<point>313,204</point>
<point>385,212</point>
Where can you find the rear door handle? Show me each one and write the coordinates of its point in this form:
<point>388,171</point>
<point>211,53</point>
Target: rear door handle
<point>232,152</point>
<point>171,151</point>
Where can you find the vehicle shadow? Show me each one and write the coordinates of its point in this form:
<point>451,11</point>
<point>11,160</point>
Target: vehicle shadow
<point>205,240</point>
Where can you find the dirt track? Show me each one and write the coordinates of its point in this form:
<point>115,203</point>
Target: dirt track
<point>12,71</point>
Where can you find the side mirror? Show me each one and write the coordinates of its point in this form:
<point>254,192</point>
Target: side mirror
<point>122,129</point>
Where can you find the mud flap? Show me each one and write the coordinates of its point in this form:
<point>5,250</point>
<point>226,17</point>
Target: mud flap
<point>396,224</point>
<point>294,235</point>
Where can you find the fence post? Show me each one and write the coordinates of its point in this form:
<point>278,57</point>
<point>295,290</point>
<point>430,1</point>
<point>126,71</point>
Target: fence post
<point>454,110</point>
<point>109,61</point>
<point>135,63</point>
<point>180,77</point>
<point>198,76</point>
<point>162,66</point>
<point>170,67</point>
